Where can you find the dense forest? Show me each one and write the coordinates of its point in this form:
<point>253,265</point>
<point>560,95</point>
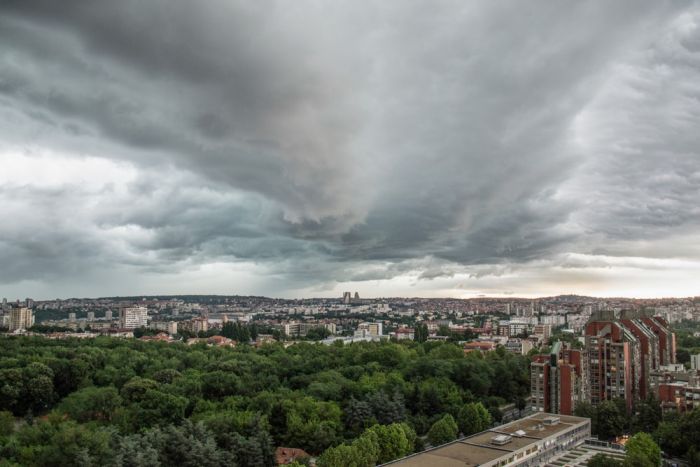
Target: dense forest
<point>116,402</point>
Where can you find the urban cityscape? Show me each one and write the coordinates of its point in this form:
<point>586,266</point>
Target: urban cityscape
<point>578,353</point>
<point>259,233</point>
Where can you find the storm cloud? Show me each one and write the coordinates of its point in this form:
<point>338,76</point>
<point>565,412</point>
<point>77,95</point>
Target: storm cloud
<point>295,148</point>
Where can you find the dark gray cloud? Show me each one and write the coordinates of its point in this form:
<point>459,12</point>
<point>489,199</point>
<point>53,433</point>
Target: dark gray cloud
<point>319,144</point>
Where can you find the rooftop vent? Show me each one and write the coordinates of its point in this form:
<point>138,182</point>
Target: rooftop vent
<point>500,440</point>
<point>519,433</point>
<point>551,421</point>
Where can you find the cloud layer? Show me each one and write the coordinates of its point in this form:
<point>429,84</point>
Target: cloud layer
<point>295,148</point>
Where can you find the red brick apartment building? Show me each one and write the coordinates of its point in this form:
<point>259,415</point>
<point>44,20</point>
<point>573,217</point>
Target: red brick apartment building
<point>621,350</point>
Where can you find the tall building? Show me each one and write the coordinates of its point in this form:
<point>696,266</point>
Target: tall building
<point>21,319</point>
<point>347,298</point>
<point>108,315</point>
<point>622,348</point>
<point>558,380</point>
<point>91,316</point>
<point>134,317</point>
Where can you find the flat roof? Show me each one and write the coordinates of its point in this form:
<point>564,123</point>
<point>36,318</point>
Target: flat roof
<point>477,449</point>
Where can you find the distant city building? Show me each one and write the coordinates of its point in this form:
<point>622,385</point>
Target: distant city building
<point>195,325</point>
<point>544,331</point>
<point>371,329</point>
<point>404,333</point>
<point>695,362</point>
<point>297,329</point>
<point>347,298</point>
<point>91,316</point>
<point>21,319</point>
<point>134,317</point>
<point>71,317</point>
<point>480,345</point>
<point>518,346</point>
<point>168,326</point>
<point>108,315</point>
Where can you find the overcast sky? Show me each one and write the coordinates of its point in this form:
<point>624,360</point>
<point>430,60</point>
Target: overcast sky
<point>391,147</point>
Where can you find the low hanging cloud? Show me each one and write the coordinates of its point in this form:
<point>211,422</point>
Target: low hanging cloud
<point>307,145</point>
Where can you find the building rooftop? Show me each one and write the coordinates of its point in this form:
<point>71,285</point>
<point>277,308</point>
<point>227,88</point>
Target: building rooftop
<point>492,444</point>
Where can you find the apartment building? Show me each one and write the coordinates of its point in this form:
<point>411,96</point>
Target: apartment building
<point>21,319</point>
<point>133,317</point>
<point>558,380</point>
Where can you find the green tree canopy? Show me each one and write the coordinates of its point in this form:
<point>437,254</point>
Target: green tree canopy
<point>473,418</point>
<point>443,431</point>
<point>642,451</point>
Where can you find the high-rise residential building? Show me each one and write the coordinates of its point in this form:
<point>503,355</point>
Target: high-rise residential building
<point>21,319</point>
<point>108,315</point>
<point>622,348</point>
<point>134,317</point>
<point>558,380</point>
<point>71,317</point>
<point>91,316</point>
<point>347,298</point>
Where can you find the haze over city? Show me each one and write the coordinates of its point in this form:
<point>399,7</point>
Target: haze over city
<point>302,149</point>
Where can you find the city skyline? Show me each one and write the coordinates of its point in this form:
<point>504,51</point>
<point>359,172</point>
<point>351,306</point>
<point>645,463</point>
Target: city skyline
<point>499,299</point>
<point>304,150</point>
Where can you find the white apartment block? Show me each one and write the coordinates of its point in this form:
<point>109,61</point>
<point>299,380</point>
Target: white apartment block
<point>21,319</point>
<point>134,317</point>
